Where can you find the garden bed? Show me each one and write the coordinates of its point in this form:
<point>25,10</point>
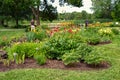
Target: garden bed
<point>101,43</point>
<point>52,64</point>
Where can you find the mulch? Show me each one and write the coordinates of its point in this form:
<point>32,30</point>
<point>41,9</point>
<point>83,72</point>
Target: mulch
<point>52,64</point>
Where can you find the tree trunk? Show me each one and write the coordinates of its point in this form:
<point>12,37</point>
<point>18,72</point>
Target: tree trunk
<point>2,22</point>
<point>16,20</point>
<point>36,14</point>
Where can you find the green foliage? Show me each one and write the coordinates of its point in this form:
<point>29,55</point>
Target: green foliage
<point>40,34</point>
<point>4,42</point>
<point>70,58</point>
<point>102,9</point>
<point>84,50</point>
<point>77,3</point>
<point>105,32</point>
<point>61,43</point>
<point>18,52</point>
<point>94,57</point>
<point>94,40</point>
<point>30,36</point>
<point>40,58</point>
<point>49,13</point>
<point>115,31</point>
<point>45,27</point>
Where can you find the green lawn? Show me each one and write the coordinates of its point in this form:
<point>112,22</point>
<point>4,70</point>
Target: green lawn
<point>111,51</point>
<point>10,33</point>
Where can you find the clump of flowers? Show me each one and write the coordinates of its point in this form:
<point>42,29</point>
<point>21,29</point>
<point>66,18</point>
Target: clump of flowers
<point>105,31</point>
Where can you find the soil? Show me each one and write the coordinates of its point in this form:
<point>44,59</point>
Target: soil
<point>101,43</point>
<point>52,64</point>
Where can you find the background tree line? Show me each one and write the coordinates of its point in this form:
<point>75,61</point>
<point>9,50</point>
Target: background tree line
<point>41,9</point>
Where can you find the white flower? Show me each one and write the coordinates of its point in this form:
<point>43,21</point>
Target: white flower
<point>14,54</point>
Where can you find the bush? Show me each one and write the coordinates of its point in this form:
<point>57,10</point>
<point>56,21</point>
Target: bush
<point>94,40</point>
<point>60,44</point>
<point>115,31</point>
<point>40,34</point>
<point>40,58</point>
<point>19,52</point>
<point>94,58</point>
<point>70,58</point>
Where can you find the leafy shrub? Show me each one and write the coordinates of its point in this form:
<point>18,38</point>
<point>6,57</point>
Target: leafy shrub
<point>59,45</point>
<point>94,58</point>
<point>40,58</point>
<point>18,52</point>
<point>70,58</point>
<point>41,34</point>
<point>84,50</point>
<point>115,31</point>
<point>105,32</point>
<point>93,40</point>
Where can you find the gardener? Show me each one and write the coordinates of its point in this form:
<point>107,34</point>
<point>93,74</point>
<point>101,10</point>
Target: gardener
<point>32,25</point>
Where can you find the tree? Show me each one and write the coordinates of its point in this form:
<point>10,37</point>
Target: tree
<point>37,3</point>
<point>116,10</point>
<point>17,9</point>
<point>102,8</point>
<point>49,13</point>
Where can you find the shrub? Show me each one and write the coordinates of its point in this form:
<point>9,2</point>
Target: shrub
<point>93,40</point>
<point>18,52</point>
<point>115,31</point>
<point>60,44</point>
<point>41,34</point>
<point>40,58</point>
<point>70,58</point>
<point>94,58</point>
<point>105,32</point>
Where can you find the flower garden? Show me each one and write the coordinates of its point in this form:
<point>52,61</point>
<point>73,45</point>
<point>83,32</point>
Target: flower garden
<point>69,45</point>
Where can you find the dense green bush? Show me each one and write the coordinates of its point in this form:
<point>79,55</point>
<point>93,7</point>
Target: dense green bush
<point>94,58</point>
<point>40,34</point>
<point>19,52</point>
<point>115,31</point>
<point>40,58</point>
<point>71,58</point>
<point>60,44</point>
<point>77,54</point>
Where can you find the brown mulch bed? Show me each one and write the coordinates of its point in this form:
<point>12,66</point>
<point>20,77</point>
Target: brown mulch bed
<point>101,43</point>
<point>52,64</point>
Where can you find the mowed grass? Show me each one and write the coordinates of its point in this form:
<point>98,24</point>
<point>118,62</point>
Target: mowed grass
<point>111,51</point>
<point>11,33</point>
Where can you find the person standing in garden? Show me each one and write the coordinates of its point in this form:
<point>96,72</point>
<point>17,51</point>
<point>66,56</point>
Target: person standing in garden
<point>86,23</point>
<point>32,25</point>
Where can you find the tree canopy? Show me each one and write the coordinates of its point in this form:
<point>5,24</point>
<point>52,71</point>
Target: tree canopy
<point>106,9</point>
<point>18,9</point>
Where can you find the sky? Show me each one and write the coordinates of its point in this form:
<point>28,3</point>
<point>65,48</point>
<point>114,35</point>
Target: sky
<point>86,6</point>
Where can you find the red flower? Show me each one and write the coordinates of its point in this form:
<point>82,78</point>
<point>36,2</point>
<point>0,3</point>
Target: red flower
<point>70,31</point>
